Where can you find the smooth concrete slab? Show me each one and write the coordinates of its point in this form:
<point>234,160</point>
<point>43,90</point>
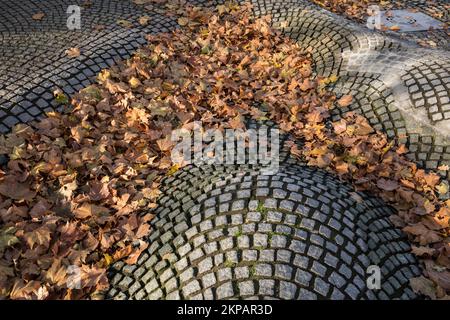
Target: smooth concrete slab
<point>408,21</point>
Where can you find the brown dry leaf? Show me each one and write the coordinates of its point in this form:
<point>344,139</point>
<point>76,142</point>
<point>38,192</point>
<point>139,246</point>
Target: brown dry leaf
<point>422,251</point>
<point>73,52</point>
<point>11,188</point>
<point>340,126</point>
<point>124,23</point>
<point>388,185</point>
<point>183,21</point>
<point>40,236</point>
<point>345,100</point>
<point>25,290</point>
<point>144,20</point>
<point>134,256</point>
<point>422,285</point>
<point>134,82</point>
<point>83,212</point>
<point>38,16</point>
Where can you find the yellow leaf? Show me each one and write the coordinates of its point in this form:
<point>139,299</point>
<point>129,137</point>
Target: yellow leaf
<point>173,169</point>
<point>124,23</point>
<point>108,259</point>
<point>143,21</point>
<point>73,52</point>
<point>442,188</point>
<point>183,21</point>
<point>102,76</point>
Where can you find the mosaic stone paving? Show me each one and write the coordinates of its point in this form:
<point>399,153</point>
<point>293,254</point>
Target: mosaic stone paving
<point>228,231</point>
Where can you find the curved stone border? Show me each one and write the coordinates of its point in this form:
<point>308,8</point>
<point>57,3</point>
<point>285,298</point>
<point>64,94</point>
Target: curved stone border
<point>401,88</point>
<point>228,232</point>
<point>33,62</point>
<point>319,237</point>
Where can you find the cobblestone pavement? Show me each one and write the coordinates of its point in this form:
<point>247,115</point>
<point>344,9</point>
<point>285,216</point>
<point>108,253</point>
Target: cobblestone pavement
<point>228,231</point>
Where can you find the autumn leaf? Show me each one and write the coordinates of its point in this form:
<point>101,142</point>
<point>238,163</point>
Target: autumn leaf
<point>345,100</point>
<point>38,16</point>
<point>134,256</point>
<point>98,191</point>
<point>124,23</point>
<point>134,82</point>
<point>422,251</point>
<point>39,236</point>
<point>7,237</point>
<point>11,188</point>
<point>88,210</point>
<point>387,185</point>
<point>183,21</point>
<point>144,20</point>
<point>73,52</point>
<point>422,285</point>
<point>25,290</point>
<point>340,126</point>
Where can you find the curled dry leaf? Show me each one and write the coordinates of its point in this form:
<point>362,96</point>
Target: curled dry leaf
<point>38,16</point>
<point>422,285</point>
<point>73,52</point>
<point>345,101</point>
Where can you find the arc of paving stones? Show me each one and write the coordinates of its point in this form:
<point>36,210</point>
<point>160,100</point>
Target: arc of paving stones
<point>229,231</point>
<point>415,82</point>
<point>33,62</point>
<point>401,88</point>
<point>310,237</point>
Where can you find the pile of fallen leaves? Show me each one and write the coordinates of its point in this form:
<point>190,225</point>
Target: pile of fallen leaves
<point>78,187</point>
<point>354,9</point>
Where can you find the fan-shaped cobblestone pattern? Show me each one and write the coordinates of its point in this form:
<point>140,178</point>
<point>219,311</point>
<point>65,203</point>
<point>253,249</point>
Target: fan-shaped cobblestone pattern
<point>33,62</point>
<point>382,72</point>
<point>297,234</point>
<point>401,88</point>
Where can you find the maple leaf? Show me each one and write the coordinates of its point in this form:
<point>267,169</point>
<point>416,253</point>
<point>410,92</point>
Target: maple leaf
<point>124,23</point>
<point>25,290</point>
<point>144,20</point>
<point>38,16</point>
<point>13,189</point>
<point>73,52</point>
<point>424,286</point>
<point>88,210</point>
<point>98,191</point>
<point>56,274</point>
<point>183,21</point>
<point>7,237</point>
<point>388,185</point>
<point>134,256</point>
<point>134,82</point>
<point>345,100</point>
<point>422,251</point>
<point>340,126</point>
<point>39,236</point>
